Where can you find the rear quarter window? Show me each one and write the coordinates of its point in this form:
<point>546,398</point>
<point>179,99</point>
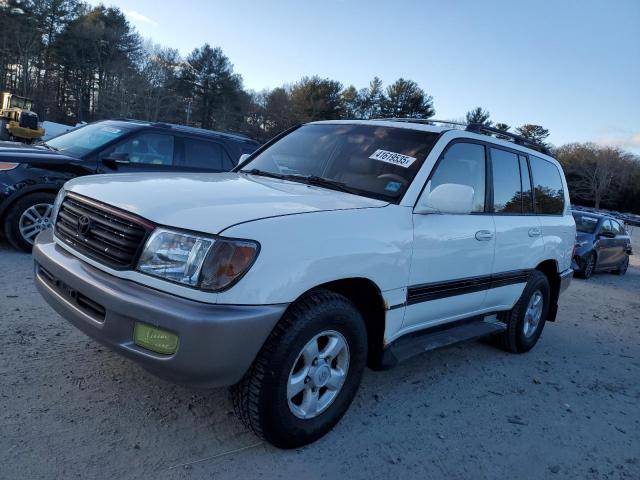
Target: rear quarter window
<point>549,192</point>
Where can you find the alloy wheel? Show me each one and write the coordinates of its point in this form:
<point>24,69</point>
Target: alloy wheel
<point>34,220</point>
<point>533,314</point>
<point>318,374</point>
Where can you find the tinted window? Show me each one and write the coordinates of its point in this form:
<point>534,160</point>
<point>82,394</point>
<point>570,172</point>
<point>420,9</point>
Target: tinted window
<point>371,160</point>
<point>607,227</point>
<point>585,223</point>
<point>463,163</point>
<point>619,229</point>
<point>147,148</point>
<point>548,187</point>
<point>204,154</point>
<point>527,193</point>
<point>507,192</point>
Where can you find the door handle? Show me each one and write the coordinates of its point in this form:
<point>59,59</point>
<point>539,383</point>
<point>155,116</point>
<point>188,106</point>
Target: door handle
<point>534,232</point>
<point>484,235</point>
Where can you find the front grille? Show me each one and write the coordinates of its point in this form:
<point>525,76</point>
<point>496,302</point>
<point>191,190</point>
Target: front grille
<point>101,233</point>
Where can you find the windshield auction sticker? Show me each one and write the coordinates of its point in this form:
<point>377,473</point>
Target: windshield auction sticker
<point>393,158</point>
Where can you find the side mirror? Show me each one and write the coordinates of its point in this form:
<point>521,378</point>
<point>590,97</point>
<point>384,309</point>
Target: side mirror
<point>243,157</point>
<point>447,198</point>
<point>114,159</point>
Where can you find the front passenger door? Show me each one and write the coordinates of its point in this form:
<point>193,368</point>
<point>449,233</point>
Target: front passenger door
<point>452,253</point>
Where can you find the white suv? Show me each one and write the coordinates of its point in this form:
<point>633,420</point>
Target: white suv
<point>337,245</point>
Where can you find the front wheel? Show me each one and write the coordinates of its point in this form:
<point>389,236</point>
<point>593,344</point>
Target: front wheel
<point>526,319</point>
<point>27,217</point>
<point>588,266</point>
<point>622,269</point>
<point>307,373</point>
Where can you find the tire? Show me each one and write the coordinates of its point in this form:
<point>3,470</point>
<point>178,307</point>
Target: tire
<point>518,338</point>
<point>14,217</point>
<point>4,133</point>
<point>622,269</point>
<point>261,398</point>
<point>588,266</point>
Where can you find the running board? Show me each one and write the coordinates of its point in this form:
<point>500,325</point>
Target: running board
<point>437,337</point>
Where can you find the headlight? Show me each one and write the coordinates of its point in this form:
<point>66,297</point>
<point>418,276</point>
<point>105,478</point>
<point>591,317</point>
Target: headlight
<point>197,261</point>
<point>56,205</point>
<point>581,244</point>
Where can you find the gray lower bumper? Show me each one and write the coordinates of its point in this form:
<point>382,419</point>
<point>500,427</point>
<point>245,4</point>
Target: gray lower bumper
<point>565,279</point>
<point>217,343</point>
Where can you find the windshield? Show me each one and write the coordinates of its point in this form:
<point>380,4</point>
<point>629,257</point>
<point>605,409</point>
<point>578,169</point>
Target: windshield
<point>83,140</point>
<point>585,223</point>
<point>373,161</point>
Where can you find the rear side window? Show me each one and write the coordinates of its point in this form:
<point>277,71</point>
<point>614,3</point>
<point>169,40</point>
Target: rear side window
<point>549,193</point>
<point>619,229</point>
<point>507,191</point>
<point>607,227</point>
<point>463,163</point>
<point>205,155</point>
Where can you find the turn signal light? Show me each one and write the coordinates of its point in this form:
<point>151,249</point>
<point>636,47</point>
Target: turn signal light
<point>8,166</point>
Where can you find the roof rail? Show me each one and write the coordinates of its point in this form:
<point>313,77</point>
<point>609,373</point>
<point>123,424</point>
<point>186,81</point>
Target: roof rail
<point>477,128</point>
<point>518,139</point>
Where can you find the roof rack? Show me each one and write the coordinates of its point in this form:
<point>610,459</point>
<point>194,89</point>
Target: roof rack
<point>476,128</point>
<point>518,139</point>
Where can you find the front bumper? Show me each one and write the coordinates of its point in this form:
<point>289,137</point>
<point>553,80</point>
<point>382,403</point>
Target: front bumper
<point>217,343</point>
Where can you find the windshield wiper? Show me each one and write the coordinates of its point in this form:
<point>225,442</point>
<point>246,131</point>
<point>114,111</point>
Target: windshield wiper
<point>263,173</point>
<point>321,182</point>
<point>307,179</point>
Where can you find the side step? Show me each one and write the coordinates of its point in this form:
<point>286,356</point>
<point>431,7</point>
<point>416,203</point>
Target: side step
<point>439,336</point>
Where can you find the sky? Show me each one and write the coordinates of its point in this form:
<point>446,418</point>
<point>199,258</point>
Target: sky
<point>571,66</point>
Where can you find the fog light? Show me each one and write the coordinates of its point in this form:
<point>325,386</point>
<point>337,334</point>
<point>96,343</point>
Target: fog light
<point>155,339</point>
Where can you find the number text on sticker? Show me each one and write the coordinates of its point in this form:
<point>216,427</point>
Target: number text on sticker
<point>393,158</point>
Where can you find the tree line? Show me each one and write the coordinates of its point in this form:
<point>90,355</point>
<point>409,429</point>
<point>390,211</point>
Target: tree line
<point>83,63</point>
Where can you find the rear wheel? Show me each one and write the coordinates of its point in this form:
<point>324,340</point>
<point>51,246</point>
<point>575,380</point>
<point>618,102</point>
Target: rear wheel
<point>27,218</point>
<point>526,319</point>
<point>622,269</point>
<point>588,265</point>
<point>307,373</point>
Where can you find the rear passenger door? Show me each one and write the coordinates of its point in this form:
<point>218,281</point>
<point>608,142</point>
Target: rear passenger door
<point>519,243</point>
<point>607,245</point>
<point>198,154</point>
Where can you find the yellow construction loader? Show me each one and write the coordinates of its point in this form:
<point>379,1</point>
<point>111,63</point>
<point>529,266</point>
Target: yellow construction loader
<point>17,121</point>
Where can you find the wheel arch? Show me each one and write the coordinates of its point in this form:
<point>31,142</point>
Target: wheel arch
<point>23,192</point>
<point>550,269</point>
<point>367,297</point>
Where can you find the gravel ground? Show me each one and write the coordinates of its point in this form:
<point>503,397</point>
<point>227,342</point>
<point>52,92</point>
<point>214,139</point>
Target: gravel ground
<point>69,408</point>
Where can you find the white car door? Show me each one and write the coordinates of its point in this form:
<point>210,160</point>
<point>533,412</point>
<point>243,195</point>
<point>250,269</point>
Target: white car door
<point>452,253</point>
<point>519,241</point>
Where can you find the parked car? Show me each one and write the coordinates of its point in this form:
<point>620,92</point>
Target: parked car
<point>602,245</point>
<point>30,176</point>
<point>339,244</point>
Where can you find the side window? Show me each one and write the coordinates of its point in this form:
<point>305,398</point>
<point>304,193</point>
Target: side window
<point>527,193</point>
<point>463,163</point>
<point>205,154</point>
<point>507,191</point>
<point>619,229</point>
<point>147,148</point>
<point>607,227</point>
<point>549,193</point>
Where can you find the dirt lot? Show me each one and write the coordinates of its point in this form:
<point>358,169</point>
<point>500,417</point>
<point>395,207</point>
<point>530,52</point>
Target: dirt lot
<point>69,408</point>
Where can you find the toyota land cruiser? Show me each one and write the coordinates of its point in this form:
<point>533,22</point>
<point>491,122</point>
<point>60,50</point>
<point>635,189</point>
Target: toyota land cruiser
<point>339,244</point>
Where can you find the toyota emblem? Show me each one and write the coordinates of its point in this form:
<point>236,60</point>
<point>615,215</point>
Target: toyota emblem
<point>84,225</point>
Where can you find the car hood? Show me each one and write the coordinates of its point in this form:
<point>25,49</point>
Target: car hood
<point>20,153</point>
<point>212,202</point>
